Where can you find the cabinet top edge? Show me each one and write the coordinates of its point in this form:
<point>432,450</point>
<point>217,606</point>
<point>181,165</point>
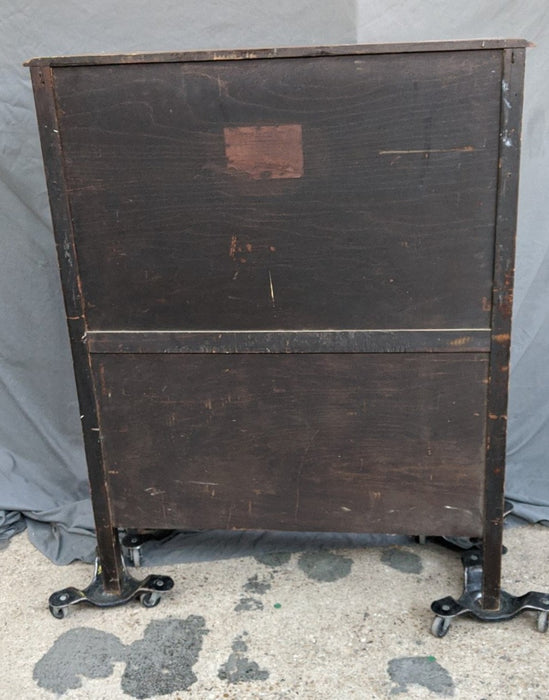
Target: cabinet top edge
<point>283,52</point>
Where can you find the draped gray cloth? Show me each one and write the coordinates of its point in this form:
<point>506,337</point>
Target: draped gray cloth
<point>43,481</point>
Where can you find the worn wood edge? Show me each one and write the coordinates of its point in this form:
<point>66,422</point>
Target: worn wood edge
<point>281,341</point>
<point>46,112</point>
<point>512,80</point>
<point>281,52</point>
<point>371,526</point>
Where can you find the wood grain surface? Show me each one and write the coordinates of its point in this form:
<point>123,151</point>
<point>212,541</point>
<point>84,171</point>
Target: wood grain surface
<point>389,226</point>
<point>364,443</point>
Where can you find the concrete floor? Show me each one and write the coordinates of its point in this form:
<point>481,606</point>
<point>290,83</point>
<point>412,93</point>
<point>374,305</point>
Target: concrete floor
<point>314,625</point>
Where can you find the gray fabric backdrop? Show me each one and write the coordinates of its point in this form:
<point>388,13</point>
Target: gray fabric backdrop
<point>43,481</point>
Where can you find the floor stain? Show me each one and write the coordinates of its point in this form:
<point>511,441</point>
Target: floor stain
<point>248,604</point>
<point>161,662</point>
<point>324,566</point>
<point>82,651</point>
<point>254,585</point>
<point>158,664</point>
<point>401,560</point>
<point>420,670</point>
<point>274,559</point>
<point>238,668</point>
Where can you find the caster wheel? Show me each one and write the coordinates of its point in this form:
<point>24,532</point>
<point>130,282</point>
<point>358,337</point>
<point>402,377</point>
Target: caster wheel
<point>149,599</point>
<point>59,613</point>
<point>543,621</point>
<point>134,555</point>
<point>440,626</point>
<point>422,539</point>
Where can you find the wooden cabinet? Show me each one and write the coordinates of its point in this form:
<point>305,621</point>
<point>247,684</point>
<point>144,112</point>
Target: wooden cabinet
<point>288,278</point>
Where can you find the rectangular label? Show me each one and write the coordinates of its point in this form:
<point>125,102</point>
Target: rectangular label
<point>265,152</point>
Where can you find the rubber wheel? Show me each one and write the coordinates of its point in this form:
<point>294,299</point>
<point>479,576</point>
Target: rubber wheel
<point>543,621</point>
<point>134,555</point>
<point>59,613</point>
<point>440,626</point>
<point>150,599</point>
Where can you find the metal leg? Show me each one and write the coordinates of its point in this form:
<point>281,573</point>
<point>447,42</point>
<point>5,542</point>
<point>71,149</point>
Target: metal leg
<point>471,600</point>
<point>148,591</point>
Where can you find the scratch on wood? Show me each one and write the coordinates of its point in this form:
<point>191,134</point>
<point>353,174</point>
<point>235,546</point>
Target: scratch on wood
<point>494,416</point>
<point>271,288</point>
<point>502,338</point>
<point>300,470</point>
<point>222,87</point>
<point>233,247</point>
<point>463,340</point>
<point>103,382</point>
<point>457,149</point>
<point>204,483</point>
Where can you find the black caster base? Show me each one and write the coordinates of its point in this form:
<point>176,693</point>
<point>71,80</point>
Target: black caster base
<point>149,592</point>
<point>446,609</point>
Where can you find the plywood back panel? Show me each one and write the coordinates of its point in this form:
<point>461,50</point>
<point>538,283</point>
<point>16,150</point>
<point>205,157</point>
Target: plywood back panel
<point>304,193</point>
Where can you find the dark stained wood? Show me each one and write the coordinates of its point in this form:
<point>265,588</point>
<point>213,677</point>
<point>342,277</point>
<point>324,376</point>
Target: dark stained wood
<point>288,284</point>
<point>286,52</point>
<point>68,265</point>
<point>355,443</point>
<point>506,215</point>
<point>390,225</point>
<point>457,340</point>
